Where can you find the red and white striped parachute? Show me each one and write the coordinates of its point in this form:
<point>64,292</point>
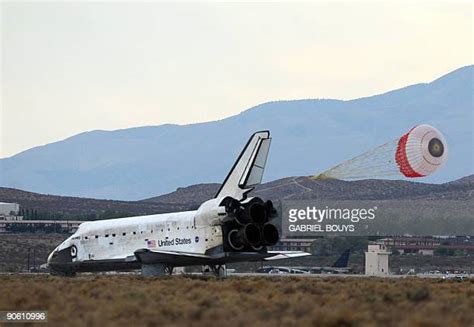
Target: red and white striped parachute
<point>418,153</point>
<point>421,151</point>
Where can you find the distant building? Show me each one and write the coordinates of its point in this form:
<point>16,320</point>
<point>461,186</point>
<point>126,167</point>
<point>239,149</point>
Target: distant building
<point>31,226</point>
<point>376,260</point>
<point>426,245</point>
<point>9,209</point>
<point>10,218</point>
<point>11,222</point>
<point>293,244</point>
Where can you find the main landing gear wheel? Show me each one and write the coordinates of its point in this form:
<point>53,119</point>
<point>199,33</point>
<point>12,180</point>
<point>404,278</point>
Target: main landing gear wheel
<point>157,270</point>
<point>219,271</point>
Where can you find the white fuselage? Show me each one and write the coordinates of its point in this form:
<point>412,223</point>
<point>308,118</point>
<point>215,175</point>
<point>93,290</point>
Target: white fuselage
<point>120,238</point>
<point>227,228</point>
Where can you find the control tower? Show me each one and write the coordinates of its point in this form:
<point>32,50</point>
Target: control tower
<point>376,260</point>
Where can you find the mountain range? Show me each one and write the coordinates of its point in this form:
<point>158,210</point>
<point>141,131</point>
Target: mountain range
<point>291,188</point>
<point>309,136</point>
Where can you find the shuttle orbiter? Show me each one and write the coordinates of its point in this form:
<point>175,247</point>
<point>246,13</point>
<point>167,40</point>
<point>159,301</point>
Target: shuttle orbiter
<point>228,228</point>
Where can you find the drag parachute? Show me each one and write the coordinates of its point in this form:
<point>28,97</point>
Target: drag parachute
<point>418,153</point>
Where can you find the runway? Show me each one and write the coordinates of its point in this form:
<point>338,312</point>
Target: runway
<point>432,276</point>
<point>280,275</point>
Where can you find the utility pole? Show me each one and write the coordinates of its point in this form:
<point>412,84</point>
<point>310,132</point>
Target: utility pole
<point>28,261</point>
<point>34,259</point>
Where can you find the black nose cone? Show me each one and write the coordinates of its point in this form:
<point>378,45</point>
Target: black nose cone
<point>62,257</point>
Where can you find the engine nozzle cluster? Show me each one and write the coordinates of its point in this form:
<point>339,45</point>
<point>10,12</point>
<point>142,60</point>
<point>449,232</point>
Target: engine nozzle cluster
<point>250,228</point>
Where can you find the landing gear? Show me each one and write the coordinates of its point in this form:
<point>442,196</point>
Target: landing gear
<point>67,273</point>
<point>156,270</point>
<point>219,271</point>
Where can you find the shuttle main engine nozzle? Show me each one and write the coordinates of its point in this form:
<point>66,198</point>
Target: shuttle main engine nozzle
<point>249,235</point>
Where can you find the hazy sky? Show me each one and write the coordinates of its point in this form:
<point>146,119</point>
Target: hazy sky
<point>73,67</point>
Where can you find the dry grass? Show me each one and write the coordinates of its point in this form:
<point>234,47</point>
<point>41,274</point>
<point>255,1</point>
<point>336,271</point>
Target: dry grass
<point>250,301</point>
<point>14,249</point>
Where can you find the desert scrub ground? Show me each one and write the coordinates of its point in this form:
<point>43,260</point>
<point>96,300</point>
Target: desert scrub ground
<point>14,249</point>
<point>130,300</point>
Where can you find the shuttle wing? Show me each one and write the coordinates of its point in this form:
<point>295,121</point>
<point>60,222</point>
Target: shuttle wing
<point>278,255</point>
<point>247,171</point>
<point>177,258</point>
<point>174,258</point>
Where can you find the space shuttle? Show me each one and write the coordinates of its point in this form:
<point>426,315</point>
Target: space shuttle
<point>231,227</point>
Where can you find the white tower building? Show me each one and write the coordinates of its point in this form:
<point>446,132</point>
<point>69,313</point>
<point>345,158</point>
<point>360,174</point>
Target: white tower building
<point>376,260</point>
<point>7,208</point>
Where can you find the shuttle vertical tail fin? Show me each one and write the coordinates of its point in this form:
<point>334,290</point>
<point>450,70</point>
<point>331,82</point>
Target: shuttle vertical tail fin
<point>247,171</point>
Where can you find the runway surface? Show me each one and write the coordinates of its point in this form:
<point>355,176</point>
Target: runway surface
<point>233,274</point>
